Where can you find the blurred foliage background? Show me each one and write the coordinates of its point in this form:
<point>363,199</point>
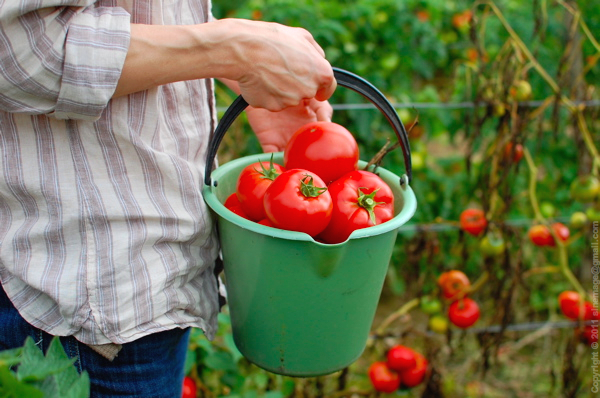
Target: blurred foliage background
<point>454,66</point>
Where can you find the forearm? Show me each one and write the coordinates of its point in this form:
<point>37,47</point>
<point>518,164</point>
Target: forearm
<point>271,65</point>
<point>160,54</point>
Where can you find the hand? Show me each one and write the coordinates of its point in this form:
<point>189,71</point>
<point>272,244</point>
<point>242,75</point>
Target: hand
<point>276,66</point>
<point>274,129</point>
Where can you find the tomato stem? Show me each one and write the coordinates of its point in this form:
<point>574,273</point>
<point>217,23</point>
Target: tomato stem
<point>270,173</point>
<point>367,202</point>
<point>309,189</point>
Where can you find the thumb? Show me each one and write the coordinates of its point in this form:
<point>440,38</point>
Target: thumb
<point>267,148</point>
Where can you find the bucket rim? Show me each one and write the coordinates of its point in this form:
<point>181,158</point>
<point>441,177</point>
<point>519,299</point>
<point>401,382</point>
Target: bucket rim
<point>408,209</point>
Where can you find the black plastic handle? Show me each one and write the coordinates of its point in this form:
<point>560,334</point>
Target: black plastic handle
<point>344,79</point>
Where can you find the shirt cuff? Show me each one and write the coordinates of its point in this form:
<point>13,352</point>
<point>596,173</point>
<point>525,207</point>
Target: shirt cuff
<point>95,49</point>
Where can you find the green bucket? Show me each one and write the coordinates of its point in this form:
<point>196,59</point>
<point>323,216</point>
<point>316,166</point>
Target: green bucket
<point>299,307</point>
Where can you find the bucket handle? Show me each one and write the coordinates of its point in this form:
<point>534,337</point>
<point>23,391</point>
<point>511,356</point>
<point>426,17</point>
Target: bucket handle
<point>344,79</point>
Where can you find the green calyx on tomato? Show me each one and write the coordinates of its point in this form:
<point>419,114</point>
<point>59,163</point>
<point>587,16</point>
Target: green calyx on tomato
<point>309,189</point>
<point>367,202</point>
<point>269,174</point>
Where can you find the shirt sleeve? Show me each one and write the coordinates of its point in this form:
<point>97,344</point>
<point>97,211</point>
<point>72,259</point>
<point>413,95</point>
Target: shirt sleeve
<point>63,60</point>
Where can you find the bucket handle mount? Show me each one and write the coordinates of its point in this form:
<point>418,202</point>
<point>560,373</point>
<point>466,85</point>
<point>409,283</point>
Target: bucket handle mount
<point>344,79</point>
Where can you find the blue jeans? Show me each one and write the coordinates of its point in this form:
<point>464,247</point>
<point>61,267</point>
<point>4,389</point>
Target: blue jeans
<point>151,366</point>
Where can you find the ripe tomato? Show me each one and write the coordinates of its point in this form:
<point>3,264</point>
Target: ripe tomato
<point>473,221</point>
<point>414,376</point>
<point>492,245</point>
<point>400,358</point>
<point>324,148</point>
<point>266,221</point>
<point>453,283</point>
<point>464,312</point>
<point>298,200</point>
<point>570,303</point>
<point>540,235</point>
<point>233,204</point>
<point>360,199</point>
<point>383,378</point>
<point>252,184</point>
<point>189,388</point>
<point>513,152</point>
<point>562,231</point>
<point>585,188</point>
<point>589,312</point>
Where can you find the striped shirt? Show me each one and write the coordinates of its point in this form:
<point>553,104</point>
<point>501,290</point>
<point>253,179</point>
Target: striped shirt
<point>104,234</point>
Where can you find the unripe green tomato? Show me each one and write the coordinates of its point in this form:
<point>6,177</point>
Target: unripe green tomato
<point>492,245</point>
<point>431,306</point>
<point>418,160</point>
<point>438,324</point>
<point>547,209</point>
<point>593,214</point>
<point>578,220</point>
<point>585,188</point>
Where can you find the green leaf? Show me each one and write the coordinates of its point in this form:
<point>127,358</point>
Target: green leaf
<point>230,344</point>
<point>10,357</point>
<point>34,366</point>
<point>10,387</point>
<point>220,360</point>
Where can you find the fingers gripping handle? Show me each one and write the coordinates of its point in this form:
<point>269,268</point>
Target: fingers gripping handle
<point>343,78</point>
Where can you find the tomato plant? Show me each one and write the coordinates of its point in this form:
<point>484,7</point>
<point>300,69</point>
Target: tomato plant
<point>298,200</point>
<point>361,199</point>
<point>325,148</point>
<point>464,312</point>
<point>453,284</point>
<point>400,358</point>
<point>383,378</point>
<point>473,221</point>
<point>252,184</point>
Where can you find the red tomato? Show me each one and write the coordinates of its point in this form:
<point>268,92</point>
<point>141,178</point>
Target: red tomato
<point>324,148</point>
<point>414,376</point>
<point>570,304</point>
<point>189,388</point>
<point>360,199</point>
<point>233,204</point>
<point>464,312</point>
<point>473,221</point>
<point>400,358</point>
<point>252,184</point>
<point>266,221</point>
<point>589,312</point>
<point>515,154</point>
<point>298,200</point>
<point>562,231</point>
<point>453,283</point>
<point>383,378</point>
<point>540,235</point>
